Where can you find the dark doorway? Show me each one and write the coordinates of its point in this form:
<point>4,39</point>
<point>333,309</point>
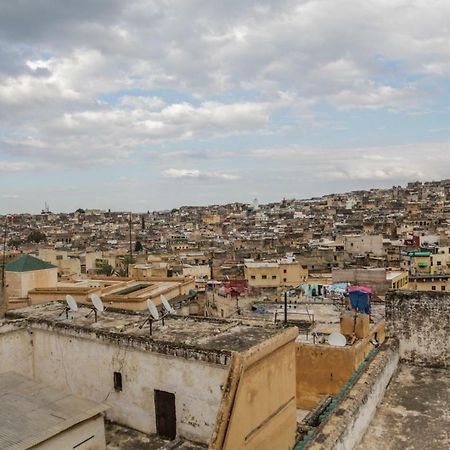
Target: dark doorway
<point>166,420</point>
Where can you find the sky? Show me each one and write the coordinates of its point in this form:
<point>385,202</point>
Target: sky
<point>149,105</point>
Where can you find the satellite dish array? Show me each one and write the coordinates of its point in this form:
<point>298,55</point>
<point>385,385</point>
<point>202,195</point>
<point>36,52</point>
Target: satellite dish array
<point>154,313</point>
<point>71,305</point>
<point>97,306</point>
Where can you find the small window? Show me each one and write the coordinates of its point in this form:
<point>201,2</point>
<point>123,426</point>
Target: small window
<point>433,288</point>
<point>117,381</point>
<point>264,277</point>
<point>442,288</point>
<point>274,277</point>
<point>284,271</point>
<point>284,280</point>
<point>439,263</point>
<point>253,277</point>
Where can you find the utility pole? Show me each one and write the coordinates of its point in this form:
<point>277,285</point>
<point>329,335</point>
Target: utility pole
<point>285,307</point>
<point>3,285</point>
<point>5,233</point>
<point>131,246</point>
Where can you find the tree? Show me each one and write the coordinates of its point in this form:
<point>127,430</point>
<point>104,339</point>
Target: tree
<point>104,268</point>
<point>36,236</point>
<point>138,247</point>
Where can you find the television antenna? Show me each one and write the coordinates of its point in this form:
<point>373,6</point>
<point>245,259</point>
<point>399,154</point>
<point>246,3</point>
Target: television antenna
<point>71,305</point>
<point>167,306</point>
<point>97,306</point>
<point>153,316</point>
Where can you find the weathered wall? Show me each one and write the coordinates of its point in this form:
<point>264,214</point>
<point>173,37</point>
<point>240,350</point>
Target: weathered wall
<point>16,350</point>
<point>85,367</point>
<point>349,421</point>
<point>264,413</point>
<point>324,369</point>
<point>258,409</point>
<point>374,278</point>
<point>421,323</point>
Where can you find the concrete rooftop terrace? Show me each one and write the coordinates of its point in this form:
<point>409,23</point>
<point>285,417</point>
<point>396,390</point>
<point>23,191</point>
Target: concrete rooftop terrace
<point>211,340</point>
<point>414,413</point>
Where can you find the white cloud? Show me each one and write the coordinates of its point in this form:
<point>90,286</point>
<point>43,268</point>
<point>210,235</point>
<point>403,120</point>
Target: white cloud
<point>195,173</point>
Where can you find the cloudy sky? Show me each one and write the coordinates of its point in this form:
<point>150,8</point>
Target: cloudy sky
<point>147,105</point>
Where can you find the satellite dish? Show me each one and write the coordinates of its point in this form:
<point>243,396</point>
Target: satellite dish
<point>152,309</point>
<point>98,305</point>
<point>167,306</point>
<point>71,303</point>
<point>337,339</point>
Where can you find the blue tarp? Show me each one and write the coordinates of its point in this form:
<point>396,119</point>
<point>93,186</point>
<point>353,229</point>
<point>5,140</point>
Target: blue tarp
<point>360,301</point>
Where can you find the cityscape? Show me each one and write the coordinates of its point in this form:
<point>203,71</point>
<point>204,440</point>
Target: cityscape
<point>224,225</point>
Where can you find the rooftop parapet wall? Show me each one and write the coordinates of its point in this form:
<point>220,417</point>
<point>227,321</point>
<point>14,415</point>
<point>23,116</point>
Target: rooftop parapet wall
<point>421,323</point>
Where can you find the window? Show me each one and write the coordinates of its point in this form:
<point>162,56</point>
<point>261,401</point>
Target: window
<point>117,381</point>
<point>253,277</point>
<point>439,263</point>
<point>264,277</point>
<point>442,288</point>
<point>433,288</point>
<point>274,277</point>
<point>284,271</point>
<point>285,279</point>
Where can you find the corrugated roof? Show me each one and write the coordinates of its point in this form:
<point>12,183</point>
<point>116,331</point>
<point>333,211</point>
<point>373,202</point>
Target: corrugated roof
<point>32,412</point>
<point>27,263</point>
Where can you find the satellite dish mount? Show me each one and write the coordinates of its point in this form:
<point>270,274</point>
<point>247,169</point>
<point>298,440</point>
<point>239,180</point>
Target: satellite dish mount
<point>153,316</point>
<point>71,305</point>
<point>96,307</point>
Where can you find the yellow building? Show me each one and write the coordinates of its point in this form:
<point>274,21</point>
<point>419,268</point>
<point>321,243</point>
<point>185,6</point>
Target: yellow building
<point>430,283</point>
<point>274,274</point>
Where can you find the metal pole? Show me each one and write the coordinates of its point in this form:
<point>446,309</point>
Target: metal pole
<point>4,252</point>
<point>285,308</point>
<point>131,247</point>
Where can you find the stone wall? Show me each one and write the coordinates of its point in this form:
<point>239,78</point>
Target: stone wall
<point>421,323</point>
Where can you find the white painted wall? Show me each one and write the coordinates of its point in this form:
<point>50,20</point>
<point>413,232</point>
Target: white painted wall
<point>16,351</point>
<point>86,366</point>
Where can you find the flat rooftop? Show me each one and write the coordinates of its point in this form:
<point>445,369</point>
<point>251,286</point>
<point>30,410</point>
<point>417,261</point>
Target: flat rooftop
<point>122,438</point>
<point>414,413</point>
<point>211,339</point>
<point>33,412</point>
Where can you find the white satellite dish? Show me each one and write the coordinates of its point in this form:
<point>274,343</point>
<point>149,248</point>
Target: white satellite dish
<point>98,305</point>
<point>167,306</point>
<point>71,303</point>
<point>337,340</point>
<point>152,309</point>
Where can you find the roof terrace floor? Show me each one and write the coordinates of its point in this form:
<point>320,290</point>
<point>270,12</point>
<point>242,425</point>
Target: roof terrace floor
<point>414,413</point>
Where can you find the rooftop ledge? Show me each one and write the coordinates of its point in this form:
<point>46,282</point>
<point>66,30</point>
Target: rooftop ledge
<point>209,340</point>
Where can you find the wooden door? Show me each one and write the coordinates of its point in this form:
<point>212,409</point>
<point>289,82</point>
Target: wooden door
<point>166,420</point>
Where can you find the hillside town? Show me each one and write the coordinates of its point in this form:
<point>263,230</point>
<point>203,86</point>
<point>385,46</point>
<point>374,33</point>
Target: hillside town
<point>386,238</point>
<point>286,325</point>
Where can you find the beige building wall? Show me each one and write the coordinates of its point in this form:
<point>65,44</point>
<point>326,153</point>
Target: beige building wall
<point>324,369</point>
<point>19,283</point>
<point>364,244</point>
<point>200,271</point>
<point>259,411</point>
<point>274,275</point>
